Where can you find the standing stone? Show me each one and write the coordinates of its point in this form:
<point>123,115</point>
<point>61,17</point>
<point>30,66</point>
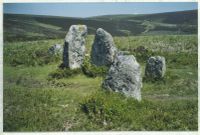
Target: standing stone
<point>103,49</point>
<point>74,47</point>
<point>55,49</point>
<point>124,76</point>
<point>155,67</point>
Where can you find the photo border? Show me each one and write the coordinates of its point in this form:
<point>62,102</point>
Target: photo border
<point>89,133</point>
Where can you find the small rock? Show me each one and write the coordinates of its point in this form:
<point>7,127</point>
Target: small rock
<point>105,123</point>
<point>155,67</point>
<point>56,49</point>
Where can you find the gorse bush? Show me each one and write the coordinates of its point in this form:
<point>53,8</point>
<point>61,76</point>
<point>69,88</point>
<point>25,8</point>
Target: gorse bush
<point>91,70</point>
<point>29,55</point>
<point>110,110</point>
<point>141,53</point>
<point>100,108</point>
<point>64,73</point>
<point>154,80</point>
<point>87,69</point>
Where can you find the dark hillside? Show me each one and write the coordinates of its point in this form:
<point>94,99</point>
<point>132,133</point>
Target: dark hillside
<point>189,17</point>
<point>32,27</point>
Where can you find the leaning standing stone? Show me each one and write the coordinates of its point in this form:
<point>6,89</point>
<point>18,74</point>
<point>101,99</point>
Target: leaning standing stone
<point>103,49</point>
<point>74,47</point>
<point>124,76</point>
<point>155,67</point>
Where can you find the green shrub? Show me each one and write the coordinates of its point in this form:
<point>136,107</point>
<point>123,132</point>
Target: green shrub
<point>109,110</point>
<point>154,80</point>
<point>87,68</point>
<point>91,70</point>
<point>29,54</point>
<point>101,107</point>
<point>141,53</point>
<point>64,73</point>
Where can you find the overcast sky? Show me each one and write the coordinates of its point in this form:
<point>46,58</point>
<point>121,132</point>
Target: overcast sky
<point>95,9</point>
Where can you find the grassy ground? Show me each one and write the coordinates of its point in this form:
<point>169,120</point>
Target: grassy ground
<point>34,102</point>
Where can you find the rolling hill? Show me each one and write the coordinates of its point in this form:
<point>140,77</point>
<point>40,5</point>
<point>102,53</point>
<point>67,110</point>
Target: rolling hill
<point>32,27</point>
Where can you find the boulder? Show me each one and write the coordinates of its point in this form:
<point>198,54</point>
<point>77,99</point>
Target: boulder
<point>74,46</point>
<point>103,49</point>
<point>155,67</point>
<point>55,49</point>
<point>124,76</point>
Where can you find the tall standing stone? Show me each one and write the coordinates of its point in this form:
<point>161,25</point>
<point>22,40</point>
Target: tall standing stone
<point>103,49</point>
<point>155,67</point>
<point>124,76</point>
<point>74,46</point>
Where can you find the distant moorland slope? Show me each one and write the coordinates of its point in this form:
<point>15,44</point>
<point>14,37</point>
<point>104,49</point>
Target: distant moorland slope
<point>32,27</point>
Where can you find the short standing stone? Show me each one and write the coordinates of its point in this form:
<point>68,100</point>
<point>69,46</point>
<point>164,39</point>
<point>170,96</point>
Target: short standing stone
<point>155,67</point>
<point>124,76</point>
<point>74,47</point>
<point>55,49</point>
<point>103,49</point>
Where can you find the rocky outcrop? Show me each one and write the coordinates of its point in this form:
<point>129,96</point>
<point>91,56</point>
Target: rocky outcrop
<point>103,49</point>
<point>124,76</point>
<point>74,47</point>
<point>155,67</point>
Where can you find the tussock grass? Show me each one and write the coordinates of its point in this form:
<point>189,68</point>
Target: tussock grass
<point>33,102</point>
<point>113,111</point>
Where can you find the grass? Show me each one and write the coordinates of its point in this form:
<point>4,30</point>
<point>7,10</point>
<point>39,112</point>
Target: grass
<point>33,102</point>
<point>121,113</point>
<point>30,53</point>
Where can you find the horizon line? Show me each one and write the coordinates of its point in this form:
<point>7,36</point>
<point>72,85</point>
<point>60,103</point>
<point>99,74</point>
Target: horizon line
<point>100,15</point>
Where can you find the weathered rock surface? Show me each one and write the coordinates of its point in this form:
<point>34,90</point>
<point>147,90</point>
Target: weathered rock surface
<point>124,76</point>
<point>74,47</point>
<point>155,67</point>
<point>55,49</point>
<point>103,49</point>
